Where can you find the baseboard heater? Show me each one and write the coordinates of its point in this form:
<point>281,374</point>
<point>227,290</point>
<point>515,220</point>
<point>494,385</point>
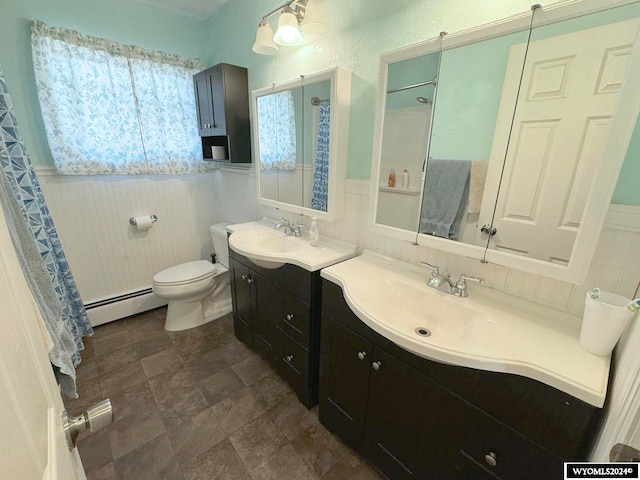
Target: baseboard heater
<point>121,306</point>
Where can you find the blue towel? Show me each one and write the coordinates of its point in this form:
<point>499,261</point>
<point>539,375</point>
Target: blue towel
<point>446,193</point>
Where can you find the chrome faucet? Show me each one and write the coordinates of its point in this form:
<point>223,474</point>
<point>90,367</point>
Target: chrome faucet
<point>289,228</point>
<point>444,283</point>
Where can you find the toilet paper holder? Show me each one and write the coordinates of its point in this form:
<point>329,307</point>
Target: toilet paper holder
<point>132,220</point>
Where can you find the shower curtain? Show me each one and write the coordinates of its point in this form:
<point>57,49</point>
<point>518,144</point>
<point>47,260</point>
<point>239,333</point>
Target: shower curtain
<point>321,168</point>
<point>39,249</point>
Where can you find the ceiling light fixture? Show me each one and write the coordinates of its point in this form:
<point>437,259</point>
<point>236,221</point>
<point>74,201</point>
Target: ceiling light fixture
<point>310,16</point>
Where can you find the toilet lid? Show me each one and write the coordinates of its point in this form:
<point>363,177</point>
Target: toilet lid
<point>185,273</point>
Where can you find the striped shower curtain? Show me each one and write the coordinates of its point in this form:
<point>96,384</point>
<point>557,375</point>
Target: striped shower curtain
<point>66,321</point>
<point>321,167</point>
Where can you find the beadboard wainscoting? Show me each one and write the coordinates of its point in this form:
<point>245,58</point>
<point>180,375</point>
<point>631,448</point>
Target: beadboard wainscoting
<point>109,259</point>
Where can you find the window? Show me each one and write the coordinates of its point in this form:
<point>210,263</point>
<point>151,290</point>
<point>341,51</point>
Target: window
<point>277,131</point>
<point>110,108</point>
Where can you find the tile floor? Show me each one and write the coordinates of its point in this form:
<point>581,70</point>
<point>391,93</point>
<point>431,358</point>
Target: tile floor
<point>196,405</point>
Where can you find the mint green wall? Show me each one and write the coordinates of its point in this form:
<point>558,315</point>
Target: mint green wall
<point>468,98</point>
<point>410,72</point>
<point>360,31</point>
<point>126,21</point>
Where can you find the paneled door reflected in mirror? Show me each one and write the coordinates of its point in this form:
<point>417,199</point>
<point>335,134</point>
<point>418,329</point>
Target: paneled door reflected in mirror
<point>570,91</point>
<point>411,86</point>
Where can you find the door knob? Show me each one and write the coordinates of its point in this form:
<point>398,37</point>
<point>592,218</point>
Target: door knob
<point>489,230</point>
<point>96,418</point>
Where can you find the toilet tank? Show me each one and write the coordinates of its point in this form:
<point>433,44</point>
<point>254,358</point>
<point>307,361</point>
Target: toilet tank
<point>219,237</point>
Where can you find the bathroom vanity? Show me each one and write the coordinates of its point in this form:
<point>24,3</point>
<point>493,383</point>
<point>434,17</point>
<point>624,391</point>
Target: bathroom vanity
<point>276,294</point>
<point>418,416</point>
<point>276,312</point>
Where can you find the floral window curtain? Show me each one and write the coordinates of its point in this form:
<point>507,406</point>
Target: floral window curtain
<point>277,131</point>
<point>110,108</point>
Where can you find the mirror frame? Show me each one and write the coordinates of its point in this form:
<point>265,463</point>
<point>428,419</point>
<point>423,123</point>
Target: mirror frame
<point>602,189</point>
<point>340,98</point>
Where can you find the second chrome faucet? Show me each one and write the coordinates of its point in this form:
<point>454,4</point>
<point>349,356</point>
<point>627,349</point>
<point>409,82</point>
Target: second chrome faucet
<point>445,284</point>
<point>289,228</point>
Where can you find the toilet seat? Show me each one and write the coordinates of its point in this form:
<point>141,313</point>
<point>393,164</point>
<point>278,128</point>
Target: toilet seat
<point>186,273</point>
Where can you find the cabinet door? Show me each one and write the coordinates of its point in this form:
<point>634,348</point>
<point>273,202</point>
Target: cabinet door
<point>474,436</point>
<point>404,415</point>
<point>217,93</point>
<point>345,359</point>
<point>203,103</point>
<point>242,294</point>
<point>268,312</point>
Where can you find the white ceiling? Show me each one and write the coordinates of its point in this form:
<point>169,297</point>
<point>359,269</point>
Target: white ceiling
<point>201,9</point>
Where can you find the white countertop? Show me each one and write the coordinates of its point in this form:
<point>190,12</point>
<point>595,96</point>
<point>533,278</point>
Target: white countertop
<point>243,241</point>
<point>499,333</point>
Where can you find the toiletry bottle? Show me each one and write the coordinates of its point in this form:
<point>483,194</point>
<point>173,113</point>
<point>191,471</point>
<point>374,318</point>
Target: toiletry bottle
<point>314,234</point>
<point>405,179</point>
<point>392,177</point>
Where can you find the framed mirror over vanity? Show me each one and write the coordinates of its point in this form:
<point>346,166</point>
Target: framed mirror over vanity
<point>302,129</point>
<point>513,135</point>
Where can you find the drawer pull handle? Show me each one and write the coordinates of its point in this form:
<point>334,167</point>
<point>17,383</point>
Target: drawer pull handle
<point>491,459</point>
<point>361,355</point>
<point>376,365</point>
<point>289,358</point>
<point>289,316</point>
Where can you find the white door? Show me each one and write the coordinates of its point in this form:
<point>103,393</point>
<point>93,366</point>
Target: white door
<point>569,93</point>
<point>32,443</point>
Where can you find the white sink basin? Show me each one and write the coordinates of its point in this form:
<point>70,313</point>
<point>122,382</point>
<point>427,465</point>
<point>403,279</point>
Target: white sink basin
<point>428,314</point>
<point>487,330</point>
<point>269,248</point>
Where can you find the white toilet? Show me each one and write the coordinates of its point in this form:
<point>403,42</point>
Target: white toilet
<point>190,285</point>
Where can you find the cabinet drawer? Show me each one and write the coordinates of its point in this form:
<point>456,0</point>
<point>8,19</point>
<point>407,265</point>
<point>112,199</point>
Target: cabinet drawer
<point>296,320</point>
<point>293,364</point>
<point>474,435</point>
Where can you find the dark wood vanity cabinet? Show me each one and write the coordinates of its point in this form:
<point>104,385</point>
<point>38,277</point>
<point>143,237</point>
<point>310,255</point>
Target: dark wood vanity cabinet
<point>277,313</point>
<point>222,106</point>
<point>418,419</point>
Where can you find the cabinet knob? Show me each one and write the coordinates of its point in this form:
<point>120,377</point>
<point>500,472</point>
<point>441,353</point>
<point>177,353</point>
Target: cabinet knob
<point>361,355</point>
<point>289,316</point>
<point>289,358</point>
<point>376,365</point>
<point>249,280</point>
<point>244,277</point>
<point>491,459</point>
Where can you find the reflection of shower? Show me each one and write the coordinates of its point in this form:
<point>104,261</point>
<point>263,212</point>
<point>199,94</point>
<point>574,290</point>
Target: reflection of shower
<point>424,100</point>
<point>317,101</point>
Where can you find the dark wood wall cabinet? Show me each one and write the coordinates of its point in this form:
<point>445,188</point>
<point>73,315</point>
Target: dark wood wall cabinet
<point>419,419</point>
<point>222,104</point>
<point>277,313</point>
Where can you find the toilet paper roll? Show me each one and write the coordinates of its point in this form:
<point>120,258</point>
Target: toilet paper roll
<point>143,223</point>
<point>218,153</point>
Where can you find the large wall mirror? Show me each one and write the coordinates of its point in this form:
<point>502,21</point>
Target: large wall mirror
<point>526,131</point>
<point>300,134</point>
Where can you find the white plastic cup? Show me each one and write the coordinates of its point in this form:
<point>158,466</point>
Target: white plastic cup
<point>605,319</point>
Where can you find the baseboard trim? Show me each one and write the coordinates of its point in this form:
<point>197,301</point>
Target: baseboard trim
<point>109,310</point>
